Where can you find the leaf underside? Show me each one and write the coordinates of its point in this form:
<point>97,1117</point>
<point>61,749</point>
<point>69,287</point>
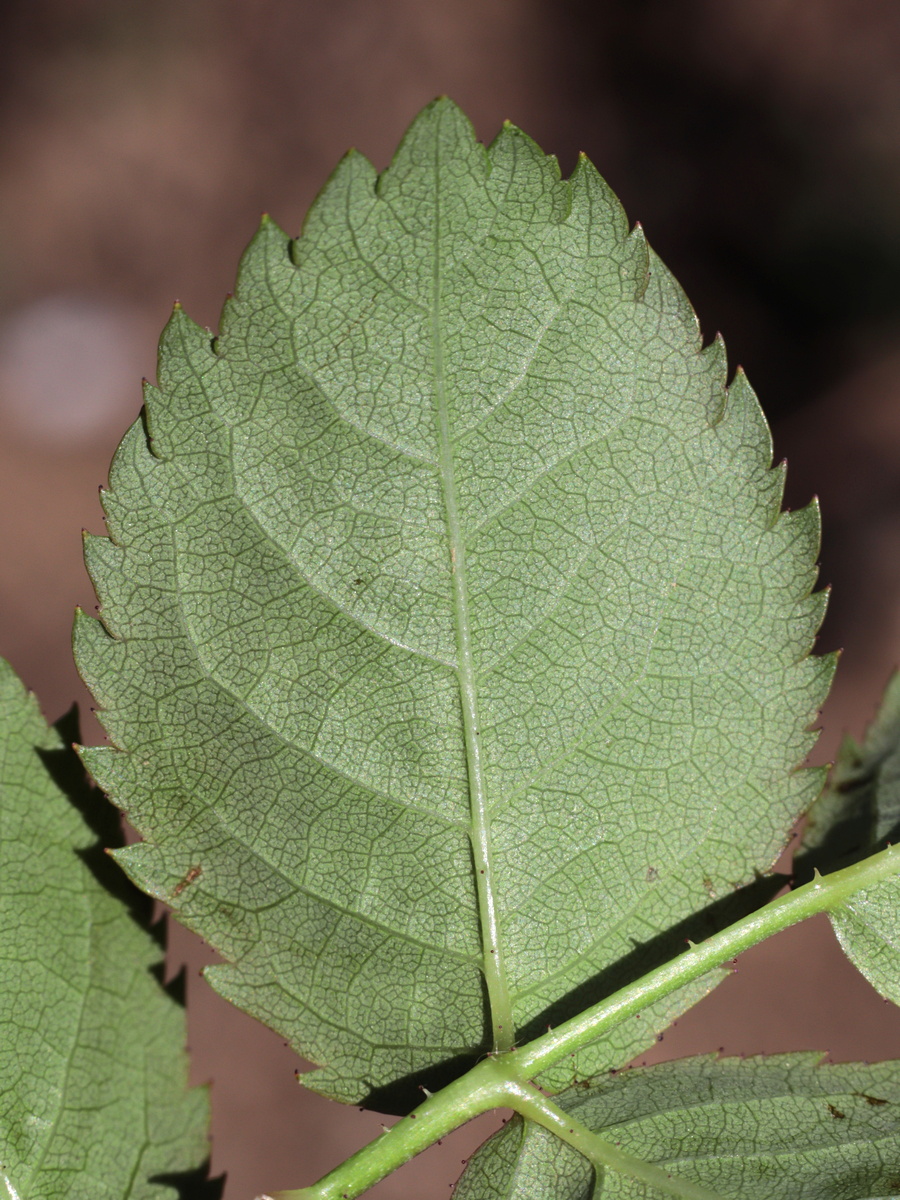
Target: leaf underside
<point>453,646</point>
<point>778,1128</point>
<point>94,1100</point>
<point>857,815</point>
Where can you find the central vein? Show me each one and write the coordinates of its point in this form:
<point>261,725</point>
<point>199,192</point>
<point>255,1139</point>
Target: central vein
<point>480,835</point>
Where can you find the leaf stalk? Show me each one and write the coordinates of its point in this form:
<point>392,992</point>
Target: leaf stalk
<point>535,1106</point>
<point>504,1080</point>
<point>822,894</point>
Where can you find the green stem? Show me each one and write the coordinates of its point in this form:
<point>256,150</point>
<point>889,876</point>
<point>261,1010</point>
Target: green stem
<point>476,1092</point>
<point>821,895</point>
<point>503,1080</point>
<point>535,1106</point>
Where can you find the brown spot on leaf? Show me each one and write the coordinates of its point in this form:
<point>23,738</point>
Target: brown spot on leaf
<point>193,873</point>
<point>875,1101</point>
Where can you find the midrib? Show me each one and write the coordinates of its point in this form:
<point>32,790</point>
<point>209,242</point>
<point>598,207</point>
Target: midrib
<point>480,833</point>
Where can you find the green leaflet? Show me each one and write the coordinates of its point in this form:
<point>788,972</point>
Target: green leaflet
<point>452,645</point>
<point>867,929</point>
<point>859,811</point>
<point>857,814</point>
<point>91,1054</point>
<point>779,1128</point>
<point>525,1162</point>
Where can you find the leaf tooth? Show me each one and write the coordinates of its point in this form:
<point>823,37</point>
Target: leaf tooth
<point>131,494</point>
<point>665,295</point>
<point>153,400</point>
<point>269,251</point>
<point>103,763</point>
<point>513,154</point>
<point>102,661</point>
<point>104,561</point>
<point>185,356</point>
<point>816,673</point>
<point>94,645</point>
<point>714,358</point>
<point>265,292</point>
<point>182,338</point>
<point>354,176</point>
<point>639,261</point>
<point>603,224</point>
<point>132,452</point>
<point>812,612</point>
<point>745,411</point>
<point>145,866</point>
<point>777,477</point>
<point>440,122</point>
<point>511,140</point>
<point>802,527</point>
<point>742,428</point>
<point>593,195</point>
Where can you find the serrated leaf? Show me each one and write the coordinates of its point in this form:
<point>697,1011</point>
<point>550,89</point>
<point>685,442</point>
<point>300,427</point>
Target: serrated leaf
<point>94,1101</point>
<point>777,1128</point>
<point>858,814</point>
<point>867,928</point>
<point>452,645</point>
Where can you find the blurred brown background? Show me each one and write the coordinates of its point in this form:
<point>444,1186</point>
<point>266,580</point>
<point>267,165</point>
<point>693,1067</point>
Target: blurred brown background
<point>757,140</point>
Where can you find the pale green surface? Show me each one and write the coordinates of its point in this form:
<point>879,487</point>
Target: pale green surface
<point>780,1128</point>
<point>868,929</point>
<point>93,1099</point>
<point>505,1080</point>
<point>450,551</point>
<point>525,1162</point>
<point>858,813</point>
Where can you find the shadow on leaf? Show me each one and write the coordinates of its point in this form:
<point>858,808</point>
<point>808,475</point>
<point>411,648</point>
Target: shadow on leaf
<point>405,1094</point>
<point>193,1185</point>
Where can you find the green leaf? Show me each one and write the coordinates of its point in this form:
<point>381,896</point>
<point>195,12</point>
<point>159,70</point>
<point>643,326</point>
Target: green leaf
<point>94,1100</point>
<point>867,928</point>
<point>525,1162</point>
<point>859,811</point>
<point>753,1129</point>
<point>856,815</point>
<point>453,647</point>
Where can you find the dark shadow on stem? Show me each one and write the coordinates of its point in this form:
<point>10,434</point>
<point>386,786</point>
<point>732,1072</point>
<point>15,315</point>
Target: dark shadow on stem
<point>405,1094</point>
<point>408,1092</point>
<point>647,956</point>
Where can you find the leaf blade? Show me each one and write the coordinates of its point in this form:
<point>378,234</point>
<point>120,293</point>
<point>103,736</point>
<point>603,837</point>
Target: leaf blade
<point>783,1126</point>
<point>384,538</point>
<point>95,1100</point>
<point>858,814</point>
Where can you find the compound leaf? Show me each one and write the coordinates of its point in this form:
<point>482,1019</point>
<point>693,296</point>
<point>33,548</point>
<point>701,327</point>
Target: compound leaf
<point>453,647</point>
<point>778,1128</point>
<point>94,1101</point>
